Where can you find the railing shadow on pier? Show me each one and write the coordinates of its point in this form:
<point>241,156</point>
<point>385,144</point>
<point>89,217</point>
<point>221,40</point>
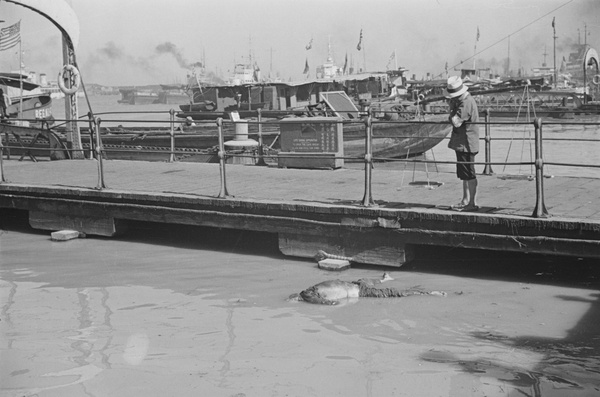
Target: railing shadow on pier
<point>213,137</point>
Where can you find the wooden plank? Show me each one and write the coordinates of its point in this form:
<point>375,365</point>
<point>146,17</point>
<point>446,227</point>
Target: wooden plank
<point>323,205</point>
<point>87,225</point>
<point>334,264</point>
<point>64,235</point>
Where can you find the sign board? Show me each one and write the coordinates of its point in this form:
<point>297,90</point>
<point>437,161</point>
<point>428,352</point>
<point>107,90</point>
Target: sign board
<point>313,142</point>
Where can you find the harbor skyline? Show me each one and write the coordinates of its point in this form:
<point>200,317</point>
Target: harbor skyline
<point>138,43</point>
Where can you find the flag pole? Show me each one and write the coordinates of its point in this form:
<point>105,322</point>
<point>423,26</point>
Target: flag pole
<point>364,59</point>
<point>20,82</point>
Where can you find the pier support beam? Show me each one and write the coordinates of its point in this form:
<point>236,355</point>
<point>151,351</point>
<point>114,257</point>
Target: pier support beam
<point>372,248</point>
<point>89,225</point>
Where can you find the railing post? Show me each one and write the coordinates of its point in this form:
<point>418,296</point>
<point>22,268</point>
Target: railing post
<point>2,159</point>
<point>368,198</point>
<point>172,132</point>
<point>540,210</point>
<point>488,145</point>
<point>261,154</point>
<point>6,136</point>
<point>223,193</point>
<point>101,185</point>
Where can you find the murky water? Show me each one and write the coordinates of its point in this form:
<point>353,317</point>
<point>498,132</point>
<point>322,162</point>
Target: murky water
<point>173,310</point>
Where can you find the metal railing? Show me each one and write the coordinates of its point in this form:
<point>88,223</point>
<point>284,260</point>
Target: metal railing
<point>259,157</point>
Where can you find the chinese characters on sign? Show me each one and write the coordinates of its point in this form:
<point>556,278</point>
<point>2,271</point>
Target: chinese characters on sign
<point>316,137</point>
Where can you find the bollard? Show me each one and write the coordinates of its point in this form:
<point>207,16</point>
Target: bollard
<point>261,154</point>
<point>540,210</point>
<point>223,193</point>
<point>488,145</point>
<point>367,200</point>
<point>101,185</point>
<point>172,132</point>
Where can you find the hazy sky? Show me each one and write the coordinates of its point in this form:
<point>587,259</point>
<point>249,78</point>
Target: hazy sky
<point>136,42</point>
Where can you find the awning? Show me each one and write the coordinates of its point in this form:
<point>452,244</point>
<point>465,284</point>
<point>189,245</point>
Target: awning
<point>58,12</point>
<point>12,80</point>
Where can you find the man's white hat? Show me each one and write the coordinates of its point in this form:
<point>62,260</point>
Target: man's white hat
<point>455,87</point>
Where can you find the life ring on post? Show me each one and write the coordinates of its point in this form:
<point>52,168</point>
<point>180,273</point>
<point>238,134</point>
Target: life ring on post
<point>72,76</point>
<point>596,79</point>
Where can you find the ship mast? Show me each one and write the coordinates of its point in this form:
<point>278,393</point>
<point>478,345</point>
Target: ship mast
<point>508,58</point>
<point>554,36</point>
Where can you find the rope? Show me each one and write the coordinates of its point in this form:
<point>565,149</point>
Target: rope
<point>324,255</point>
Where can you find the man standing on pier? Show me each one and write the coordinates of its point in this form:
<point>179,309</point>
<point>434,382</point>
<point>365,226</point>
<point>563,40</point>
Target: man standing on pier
<point>464,140</point>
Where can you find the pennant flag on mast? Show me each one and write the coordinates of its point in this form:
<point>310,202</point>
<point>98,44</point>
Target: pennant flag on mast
<point>477,33</point>
<point>553,24</point>
<point>306,68</point>
<point>309,45</point>
<point>391,59</point>
<point>359,45</point>
<point>10,36</point>
<point>346,63</point>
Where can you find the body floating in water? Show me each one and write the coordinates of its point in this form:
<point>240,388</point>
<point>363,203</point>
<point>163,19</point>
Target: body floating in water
<point>330,292</point>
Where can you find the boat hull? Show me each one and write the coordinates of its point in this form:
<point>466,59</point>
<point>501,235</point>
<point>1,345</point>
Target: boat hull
<point>37,107</point>
<point>200,143</point>
<point>396,139</point>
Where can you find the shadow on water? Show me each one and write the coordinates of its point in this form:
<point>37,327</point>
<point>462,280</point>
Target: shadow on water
<point>568,365</point>
<point>461,262</point>
<point>172,235</point>
<point>507,266</point>
<point>215,239</point>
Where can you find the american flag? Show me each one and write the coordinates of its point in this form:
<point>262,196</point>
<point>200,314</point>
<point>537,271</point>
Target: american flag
<point>10,36</point>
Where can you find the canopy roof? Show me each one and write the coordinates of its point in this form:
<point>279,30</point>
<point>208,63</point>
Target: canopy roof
<point>58,12</point>
<point>14,80</point>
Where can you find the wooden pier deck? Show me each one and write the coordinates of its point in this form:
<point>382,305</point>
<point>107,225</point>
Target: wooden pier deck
<point>311,209</point>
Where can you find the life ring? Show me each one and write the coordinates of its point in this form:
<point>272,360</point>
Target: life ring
<point>73,77</point>
<point>596,79</point>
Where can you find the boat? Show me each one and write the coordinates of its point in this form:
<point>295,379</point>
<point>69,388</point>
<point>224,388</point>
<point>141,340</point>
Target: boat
<point>133,96</point>
<point>33,105</point>
<point>172,94</point>
<point>195,143</point>
<point>515,99</point>
<point>399,129</point>
<point>166,94</point>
